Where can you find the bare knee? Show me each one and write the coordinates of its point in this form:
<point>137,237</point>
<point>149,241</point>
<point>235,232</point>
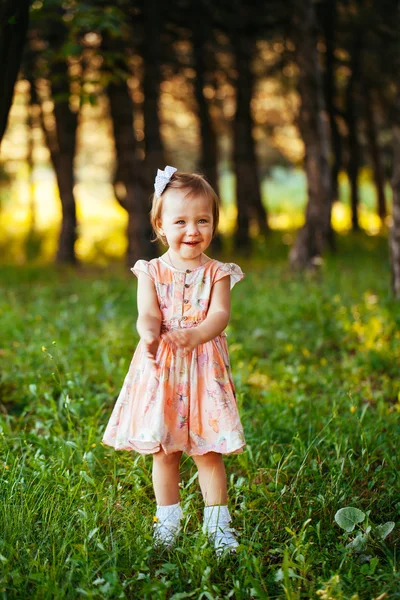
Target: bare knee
<point>167,459</point>
<point>210,458</point>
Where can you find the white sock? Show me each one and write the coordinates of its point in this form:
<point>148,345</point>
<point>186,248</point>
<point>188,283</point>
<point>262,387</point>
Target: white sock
<point>217,513</point>
<point>171,510</point>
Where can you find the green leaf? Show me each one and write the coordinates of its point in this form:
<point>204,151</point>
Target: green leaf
<point>91,533</point>
<point>71,443</point>
<point>382,531</point>
<point>279,575</point>
<point>257,591</point>
<point>348,517</point>
<point>86,477</point>
<point>373,564</point>
<point>359,543</point>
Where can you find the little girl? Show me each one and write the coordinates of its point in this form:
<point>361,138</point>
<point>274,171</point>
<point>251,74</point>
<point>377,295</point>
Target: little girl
<point>178,395</point>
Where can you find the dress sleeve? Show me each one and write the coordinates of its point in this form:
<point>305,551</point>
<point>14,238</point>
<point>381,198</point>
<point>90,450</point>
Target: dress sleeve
<point>143,266</point>
<point>234,271</point>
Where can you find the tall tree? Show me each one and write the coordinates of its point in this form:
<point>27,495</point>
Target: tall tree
<point>328,18</point>
<point>248,188</point>
<point>61,139</point>
<point>14,20</point>
<point>201,38</point>
<point>130,171</point>
<point>313,236</point>
<point>352,120</point>
<point>150,50</point>
<point>394,234</point>
<point>367,41</point>
<point>203,44</point>
<point>374,150</point>
<point>374,78</point>
<point>244,25</point>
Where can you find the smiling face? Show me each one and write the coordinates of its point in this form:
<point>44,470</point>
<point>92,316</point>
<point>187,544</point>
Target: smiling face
<point>187,224</point>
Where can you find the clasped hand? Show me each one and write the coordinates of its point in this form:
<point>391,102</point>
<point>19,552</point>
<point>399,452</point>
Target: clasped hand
<point>183,341</point>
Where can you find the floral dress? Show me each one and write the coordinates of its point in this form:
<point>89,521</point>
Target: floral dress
<point>187,402</point>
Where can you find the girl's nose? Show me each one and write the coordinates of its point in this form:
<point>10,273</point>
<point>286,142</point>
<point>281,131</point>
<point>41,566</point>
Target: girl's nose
<point>193,229</point>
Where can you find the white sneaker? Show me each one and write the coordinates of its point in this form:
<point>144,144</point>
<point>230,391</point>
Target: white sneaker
<point>166,526</point>
<point>215,526</point>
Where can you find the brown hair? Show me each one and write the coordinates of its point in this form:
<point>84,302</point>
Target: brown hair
<point>195,185</point>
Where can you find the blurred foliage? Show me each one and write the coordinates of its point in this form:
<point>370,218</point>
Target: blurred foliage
<point>102,222</point>
<point>274,108</point>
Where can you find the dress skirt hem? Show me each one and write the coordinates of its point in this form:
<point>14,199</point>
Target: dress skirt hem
<point>154,447</point>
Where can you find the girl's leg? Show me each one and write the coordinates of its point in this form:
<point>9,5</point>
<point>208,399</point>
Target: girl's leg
<point>166,477</point>
<point>212,478</point>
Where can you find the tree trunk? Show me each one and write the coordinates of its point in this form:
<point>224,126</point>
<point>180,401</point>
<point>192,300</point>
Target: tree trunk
<point>66,124</point>
<point>130,171</point>
<point>14,20</point>
<point>30,163</point>
<point>208,138</point>
<point>379,178</point>
<point>313,236</point>
<point>151,54</point>
<point>63,160</point>
<point>248,190</point>
<point>394,234</point>
<point>61,144</point>
<point>329,21</point>
<point>62,140</point>
<point>353,165</point>
<point>328,18</point>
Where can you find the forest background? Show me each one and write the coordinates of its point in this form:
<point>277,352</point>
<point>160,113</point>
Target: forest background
<point>280,107</point>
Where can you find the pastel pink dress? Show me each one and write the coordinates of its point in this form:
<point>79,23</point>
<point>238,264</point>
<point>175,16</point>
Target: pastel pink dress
<point>187,402</point>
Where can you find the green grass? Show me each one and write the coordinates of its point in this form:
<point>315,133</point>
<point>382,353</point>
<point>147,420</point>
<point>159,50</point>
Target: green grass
<point>316,366</point>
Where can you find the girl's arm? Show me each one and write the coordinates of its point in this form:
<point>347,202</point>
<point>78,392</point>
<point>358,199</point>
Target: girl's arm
<point>218,313</point>
<point>148,323</point>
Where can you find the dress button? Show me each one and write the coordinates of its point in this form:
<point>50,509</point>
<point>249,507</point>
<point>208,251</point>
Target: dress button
<point>187,285</point>
<point>188,271</point>
<point>185,301</point>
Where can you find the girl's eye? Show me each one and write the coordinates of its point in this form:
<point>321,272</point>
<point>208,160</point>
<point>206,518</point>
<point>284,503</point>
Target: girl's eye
<point>180,222</point>
<point>203,221</point>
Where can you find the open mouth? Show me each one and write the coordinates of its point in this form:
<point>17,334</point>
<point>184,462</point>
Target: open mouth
<point>191,243</point>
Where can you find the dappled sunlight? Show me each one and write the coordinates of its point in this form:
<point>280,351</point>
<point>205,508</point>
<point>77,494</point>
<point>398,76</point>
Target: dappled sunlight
<point>102,227</point>
<point>286,221</point>
<point>367,321</point>
<point>260,380</point>
<point>102,221</point>
<point>341,219</point>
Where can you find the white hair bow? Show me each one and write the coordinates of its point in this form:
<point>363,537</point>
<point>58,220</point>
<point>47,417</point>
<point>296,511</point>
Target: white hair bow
<point>162,179</point>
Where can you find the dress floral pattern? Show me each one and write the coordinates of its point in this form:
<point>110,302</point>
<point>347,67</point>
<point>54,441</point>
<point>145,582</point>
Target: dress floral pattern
<point>187,402</point>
